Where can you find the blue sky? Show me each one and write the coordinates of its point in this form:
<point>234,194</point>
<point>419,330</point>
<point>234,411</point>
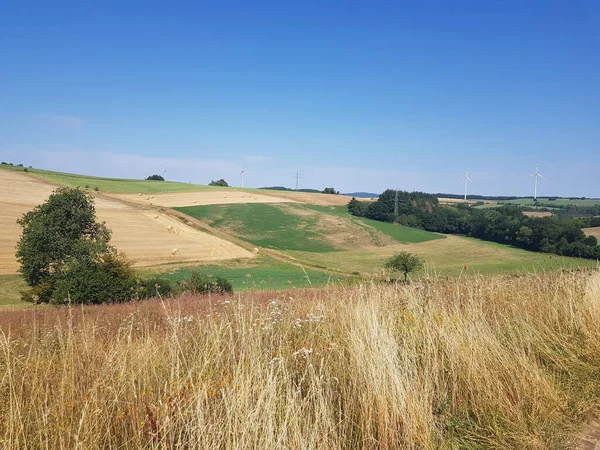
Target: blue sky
<point>358,95</point>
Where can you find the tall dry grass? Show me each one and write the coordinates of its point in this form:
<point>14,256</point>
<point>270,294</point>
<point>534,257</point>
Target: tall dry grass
<point>477,363</point>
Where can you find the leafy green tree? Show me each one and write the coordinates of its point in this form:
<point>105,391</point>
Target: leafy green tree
<point>64,251</point>
<point>330,191</point>
<point>220,182</point>
<point>405,263</point>
<point>155,178</point>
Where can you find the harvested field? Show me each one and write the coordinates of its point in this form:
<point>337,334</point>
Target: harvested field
<point>314,199</point>
<point>450,201</point>
<point>208,197</point>
<point>537,213</point>
<point>592,232</point>
<point>146,236</point>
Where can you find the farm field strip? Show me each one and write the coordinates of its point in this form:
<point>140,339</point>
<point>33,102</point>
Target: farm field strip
<point>148,237</point>
<point>222,196</point>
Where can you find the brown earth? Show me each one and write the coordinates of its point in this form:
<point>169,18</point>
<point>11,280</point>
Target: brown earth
<point>147,236</point>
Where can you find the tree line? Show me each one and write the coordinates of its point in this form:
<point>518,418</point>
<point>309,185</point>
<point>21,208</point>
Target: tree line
<point>505,225</point>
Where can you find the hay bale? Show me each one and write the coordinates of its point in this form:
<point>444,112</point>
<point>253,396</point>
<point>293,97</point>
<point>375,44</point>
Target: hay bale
<point>175,252</point>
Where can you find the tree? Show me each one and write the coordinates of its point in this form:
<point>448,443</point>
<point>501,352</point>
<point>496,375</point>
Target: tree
<point>62,240</point>
<point>220,182</point>
<point>155,178</point>
<point>330,191</point>
<point>405,263</point>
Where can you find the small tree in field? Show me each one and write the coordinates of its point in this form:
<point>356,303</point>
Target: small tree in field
<point>155,178</point>
<point>65,254</point>
<point>405,263</point>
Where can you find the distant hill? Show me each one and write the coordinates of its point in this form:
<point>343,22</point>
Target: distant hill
<point>281,188</point>
<point>362,194</point>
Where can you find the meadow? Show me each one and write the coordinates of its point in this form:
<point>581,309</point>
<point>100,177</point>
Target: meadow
<point>494,362</point>
<point>308,228</point>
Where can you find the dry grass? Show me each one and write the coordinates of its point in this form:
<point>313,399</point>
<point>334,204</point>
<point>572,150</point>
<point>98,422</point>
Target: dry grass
<point>537,213</point>
<point>595,231</point>
<point>224,196</point>
<point>145,235</point>
<point>479,363</point>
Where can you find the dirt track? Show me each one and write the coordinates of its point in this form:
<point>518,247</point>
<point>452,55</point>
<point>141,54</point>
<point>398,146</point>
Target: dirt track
<point>148,237</point>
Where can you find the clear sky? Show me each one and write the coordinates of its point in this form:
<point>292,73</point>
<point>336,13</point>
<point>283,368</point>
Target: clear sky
<point>358,95</point>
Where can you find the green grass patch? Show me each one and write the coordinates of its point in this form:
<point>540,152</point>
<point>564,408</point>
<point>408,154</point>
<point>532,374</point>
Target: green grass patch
<point>449,257</point>
<point>115,185</point>
<point>269,278</point>
<point>10,291</point>
<point>265,225</point>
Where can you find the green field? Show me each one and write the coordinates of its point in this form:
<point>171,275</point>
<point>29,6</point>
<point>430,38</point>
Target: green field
<point>271,276</point>
<point>453,256</point>
<point>116,185</point>
<point>309,228</point>
<point>10,290</point>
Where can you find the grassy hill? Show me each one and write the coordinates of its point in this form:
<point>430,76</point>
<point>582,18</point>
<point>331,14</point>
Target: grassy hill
<point>307,228</point>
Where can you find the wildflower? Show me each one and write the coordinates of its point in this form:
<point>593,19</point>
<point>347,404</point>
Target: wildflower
<point>304,352</point>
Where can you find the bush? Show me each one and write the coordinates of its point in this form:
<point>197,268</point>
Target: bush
<point>202,283</point>
<point>155,178</point>
<point>110,279</point>
<point>153,287</point>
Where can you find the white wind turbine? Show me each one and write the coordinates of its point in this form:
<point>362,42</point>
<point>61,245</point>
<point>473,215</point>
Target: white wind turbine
<point>242,175</point>
<point>537,175</point>
<point>467,181</point>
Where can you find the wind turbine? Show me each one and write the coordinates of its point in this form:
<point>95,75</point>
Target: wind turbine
<point>164,171</point>
<point>242,175</point>
<point>537,175</point>
<point>467,180</point>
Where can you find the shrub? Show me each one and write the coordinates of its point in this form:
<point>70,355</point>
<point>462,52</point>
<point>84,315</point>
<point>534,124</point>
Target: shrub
<point>155,178</point>
<point>202,283</point>
<point>109,279</point>
<point>154,286</point>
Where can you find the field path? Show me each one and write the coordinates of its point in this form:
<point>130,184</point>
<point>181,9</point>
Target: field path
<point>147,236</point>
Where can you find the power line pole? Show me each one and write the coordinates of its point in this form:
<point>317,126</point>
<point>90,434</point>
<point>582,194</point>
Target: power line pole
<point>297,177</point>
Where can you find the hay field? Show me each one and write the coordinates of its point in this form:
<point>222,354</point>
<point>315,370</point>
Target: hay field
<point>537,213</point>
<point>136,231</point>
<point>495,362</point>
<point>595,231</point>
<point>207,197</point>
<point>313,198</point>
<point>450,201</point>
